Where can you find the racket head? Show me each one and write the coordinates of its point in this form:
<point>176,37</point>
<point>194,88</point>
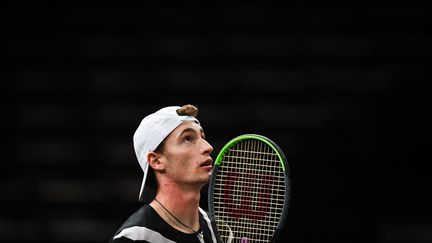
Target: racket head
<point>249,189</point>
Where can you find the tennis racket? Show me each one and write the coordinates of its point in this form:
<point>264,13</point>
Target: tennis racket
<point>249,190</point>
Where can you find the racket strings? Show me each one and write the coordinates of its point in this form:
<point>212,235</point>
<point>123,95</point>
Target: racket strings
<point>249,191</point>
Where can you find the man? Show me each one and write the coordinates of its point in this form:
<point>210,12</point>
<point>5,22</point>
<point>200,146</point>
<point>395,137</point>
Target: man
<point>172,151</point>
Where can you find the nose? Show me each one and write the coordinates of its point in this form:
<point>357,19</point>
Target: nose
<point>207,148</point>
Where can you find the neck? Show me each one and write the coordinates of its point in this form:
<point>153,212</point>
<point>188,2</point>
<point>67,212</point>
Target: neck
<point>183,204</point>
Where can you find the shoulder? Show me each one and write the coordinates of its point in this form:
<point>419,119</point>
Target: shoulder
<point>142,226</point>
<point>209,225</point>
<point>206,216</point>
<point>203,212</point>
<point>126,240</point>
<point>141,217</point>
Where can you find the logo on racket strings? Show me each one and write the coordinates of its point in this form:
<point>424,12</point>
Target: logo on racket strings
<point>244,198</point>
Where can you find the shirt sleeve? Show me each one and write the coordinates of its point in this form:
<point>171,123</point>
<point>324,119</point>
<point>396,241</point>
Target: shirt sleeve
<point>126,240</point>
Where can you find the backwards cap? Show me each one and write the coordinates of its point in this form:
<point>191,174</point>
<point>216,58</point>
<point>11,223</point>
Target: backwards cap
<point>152,130</point>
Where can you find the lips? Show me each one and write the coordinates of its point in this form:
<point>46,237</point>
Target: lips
<point>207,163</point>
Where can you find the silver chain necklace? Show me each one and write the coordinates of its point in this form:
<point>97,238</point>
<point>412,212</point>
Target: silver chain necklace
<point>199,232</point>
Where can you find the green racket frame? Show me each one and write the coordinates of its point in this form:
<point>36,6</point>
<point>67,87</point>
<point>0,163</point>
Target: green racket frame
<point>283,163</point>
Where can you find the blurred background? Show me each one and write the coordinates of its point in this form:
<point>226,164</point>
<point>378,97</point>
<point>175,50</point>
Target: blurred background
<point>339,86</point>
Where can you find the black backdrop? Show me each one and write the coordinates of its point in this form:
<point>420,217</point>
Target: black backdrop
<point>340,87</point>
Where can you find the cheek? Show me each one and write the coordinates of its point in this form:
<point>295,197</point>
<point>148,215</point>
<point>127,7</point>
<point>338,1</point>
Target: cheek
<point>179,163</point>
<point>177,166</point>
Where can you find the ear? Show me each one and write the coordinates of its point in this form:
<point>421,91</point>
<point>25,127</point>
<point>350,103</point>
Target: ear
<point>154,160</point>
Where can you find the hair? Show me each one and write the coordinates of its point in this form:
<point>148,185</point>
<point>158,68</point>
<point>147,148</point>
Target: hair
<point>188,110</point>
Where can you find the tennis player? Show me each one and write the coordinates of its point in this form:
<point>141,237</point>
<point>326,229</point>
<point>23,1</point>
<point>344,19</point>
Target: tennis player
<point>175,156</point>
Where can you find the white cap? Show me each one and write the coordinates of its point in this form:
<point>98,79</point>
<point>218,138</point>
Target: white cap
<point>153,129</point>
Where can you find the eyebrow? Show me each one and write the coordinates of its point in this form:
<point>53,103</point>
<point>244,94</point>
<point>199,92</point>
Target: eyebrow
<point>201,131</point>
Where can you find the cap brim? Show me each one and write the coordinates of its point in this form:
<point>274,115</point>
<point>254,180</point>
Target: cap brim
<point>147,192</point>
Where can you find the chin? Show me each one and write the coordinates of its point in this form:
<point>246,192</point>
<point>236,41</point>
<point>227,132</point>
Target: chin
<point>207,179</point>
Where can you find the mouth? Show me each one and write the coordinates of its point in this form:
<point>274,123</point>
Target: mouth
<point>208,163</point>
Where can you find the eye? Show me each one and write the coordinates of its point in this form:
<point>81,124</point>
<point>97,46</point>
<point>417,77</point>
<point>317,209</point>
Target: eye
<point>188,138</point>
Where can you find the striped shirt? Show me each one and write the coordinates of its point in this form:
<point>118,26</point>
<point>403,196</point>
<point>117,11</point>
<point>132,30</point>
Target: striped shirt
<point>145,225</point>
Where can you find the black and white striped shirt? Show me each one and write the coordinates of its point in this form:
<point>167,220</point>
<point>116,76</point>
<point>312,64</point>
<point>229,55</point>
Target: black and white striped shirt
<point>145,225</point>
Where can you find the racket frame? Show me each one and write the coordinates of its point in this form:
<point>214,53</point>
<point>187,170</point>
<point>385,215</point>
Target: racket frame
<point>285,169</point>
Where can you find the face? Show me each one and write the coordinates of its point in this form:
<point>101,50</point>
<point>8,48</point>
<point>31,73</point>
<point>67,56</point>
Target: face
<point>186,155</point>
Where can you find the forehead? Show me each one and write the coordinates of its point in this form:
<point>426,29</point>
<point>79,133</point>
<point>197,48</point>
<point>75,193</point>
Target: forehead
<point>188,126</point>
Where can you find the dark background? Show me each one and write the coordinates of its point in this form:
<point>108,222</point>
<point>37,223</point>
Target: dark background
<point>339,86</point>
